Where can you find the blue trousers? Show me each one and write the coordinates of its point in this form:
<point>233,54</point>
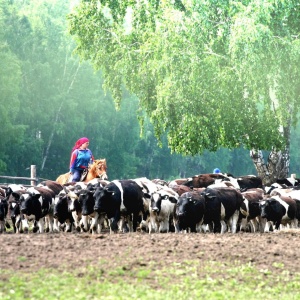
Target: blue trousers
<point>76,175</point>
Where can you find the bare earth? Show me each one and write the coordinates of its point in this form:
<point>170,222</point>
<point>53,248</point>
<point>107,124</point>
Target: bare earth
<point>75,251</point>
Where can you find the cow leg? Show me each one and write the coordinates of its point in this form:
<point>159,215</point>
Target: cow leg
<point>253,225</point>
<point>198,226</point>
<point>84,225</point>
<point>68,225</point>
<point>176,225</point>
<point>244,224</point>
<point>204,228</point>
<point>268,226</point>
<point>2,226</point>
<point>193,228</point>
<point>134,223</point>
<point>94,223</point>
<point>25,224</point>
<point>223,227</point>
<point>77,217</point>
<point>114,221</point>
<point>277,224</point>
<point>49,220</point>
<point>295,223</point>
<point>152,224</point>
<point>164,225</point>
<point>55,225</point>
<point>19,224</point>
<point>217,226</point>
<point>13,221</point>
<point>233,220</point>
<point>144,225</point>
<point>125,224</point>
<point>100,224</point>
<point>41,225</point>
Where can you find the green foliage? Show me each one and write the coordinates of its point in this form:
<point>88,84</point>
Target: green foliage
<point>10,77</point>
<point>211,74</point>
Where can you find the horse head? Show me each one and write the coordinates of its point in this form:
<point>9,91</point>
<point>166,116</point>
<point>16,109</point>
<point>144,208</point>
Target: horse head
<point>98,169</point>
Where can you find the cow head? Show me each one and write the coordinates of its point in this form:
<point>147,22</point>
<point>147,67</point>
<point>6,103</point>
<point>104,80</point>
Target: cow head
<point>74,203</point>
<point>61,207</point>
<point>183,204</point>
<point>271,209</point>
<point>155,201</point>
<point>30,204</point>
<point>102,197</point>
<point>86,201</point>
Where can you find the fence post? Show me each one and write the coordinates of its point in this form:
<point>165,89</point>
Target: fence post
<point>33,174</point>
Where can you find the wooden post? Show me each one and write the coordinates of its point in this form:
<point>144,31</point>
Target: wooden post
<point>33,174</point>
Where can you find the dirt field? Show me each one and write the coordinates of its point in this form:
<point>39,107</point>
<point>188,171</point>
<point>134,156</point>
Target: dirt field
<point>69,251</point>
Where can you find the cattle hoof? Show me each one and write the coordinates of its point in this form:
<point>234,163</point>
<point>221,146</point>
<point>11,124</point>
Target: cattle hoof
<point>34,229</point>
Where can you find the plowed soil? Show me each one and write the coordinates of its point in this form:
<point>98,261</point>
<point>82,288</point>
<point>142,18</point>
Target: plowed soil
<point>68,251</point>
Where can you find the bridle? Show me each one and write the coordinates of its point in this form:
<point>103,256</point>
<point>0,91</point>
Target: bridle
<point>100,170</point>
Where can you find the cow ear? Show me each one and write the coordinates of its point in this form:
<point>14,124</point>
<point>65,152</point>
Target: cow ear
<point>173,199</point>
<point>208,195</point>
<point>15,195</point>
<point>147,195</point>
<point>107,191</point>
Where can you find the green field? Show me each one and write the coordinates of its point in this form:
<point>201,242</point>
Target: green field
<point>183,280</point>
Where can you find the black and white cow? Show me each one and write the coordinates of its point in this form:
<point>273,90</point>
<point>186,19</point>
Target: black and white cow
<point>148,187</point>
<point>74,205</point>
<point>189,212</point>
<point>161,208</point>
<point>222,204</point>
<point>250,211</point>
<point>63,219</point>
<point>3,213</point>
<point>14,211</point>
<point>51,185</point>
<point>120,197</point>
<point>279,210</point>
<point>249,182</point>
<point>91,220</point>
<point>37,204</point>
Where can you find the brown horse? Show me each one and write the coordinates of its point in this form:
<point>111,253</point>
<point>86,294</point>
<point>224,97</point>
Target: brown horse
<point>96,170</point>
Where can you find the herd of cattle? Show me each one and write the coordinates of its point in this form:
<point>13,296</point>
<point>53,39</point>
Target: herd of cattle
<point>216,203</point>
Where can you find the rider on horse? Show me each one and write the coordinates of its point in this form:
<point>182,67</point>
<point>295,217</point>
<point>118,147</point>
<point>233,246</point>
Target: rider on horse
<point>81,157</point>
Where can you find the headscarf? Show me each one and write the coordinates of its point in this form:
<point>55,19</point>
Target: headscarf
<point>80,142</point>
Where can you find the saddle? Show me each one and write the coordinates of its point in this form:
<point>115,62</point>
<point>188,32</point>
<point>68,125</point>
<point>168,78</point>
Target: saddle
<point>84,174</point>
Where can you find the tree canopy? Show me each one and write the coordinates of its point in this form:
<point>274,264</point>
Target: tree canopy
<point>171,63</point>
<point>209,73</point>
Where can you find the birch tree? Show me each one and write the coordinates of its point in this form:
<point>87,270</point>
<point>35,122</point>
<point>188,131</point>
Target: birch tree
<point>209,73</point>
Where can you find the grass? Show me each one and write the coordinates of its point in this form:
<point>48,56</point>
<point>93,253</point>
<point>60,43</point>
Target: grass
<point>185,280</point>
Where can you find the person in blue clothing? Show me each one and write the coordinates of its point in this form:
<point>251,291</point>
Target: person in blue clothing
<point>216,171</point>
<point>81,157</point>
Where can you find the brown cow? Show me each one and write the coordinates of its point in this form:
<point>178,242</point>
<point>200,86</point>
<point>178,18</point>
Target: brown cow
<point>204,180</point>
<point>180,189</point>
